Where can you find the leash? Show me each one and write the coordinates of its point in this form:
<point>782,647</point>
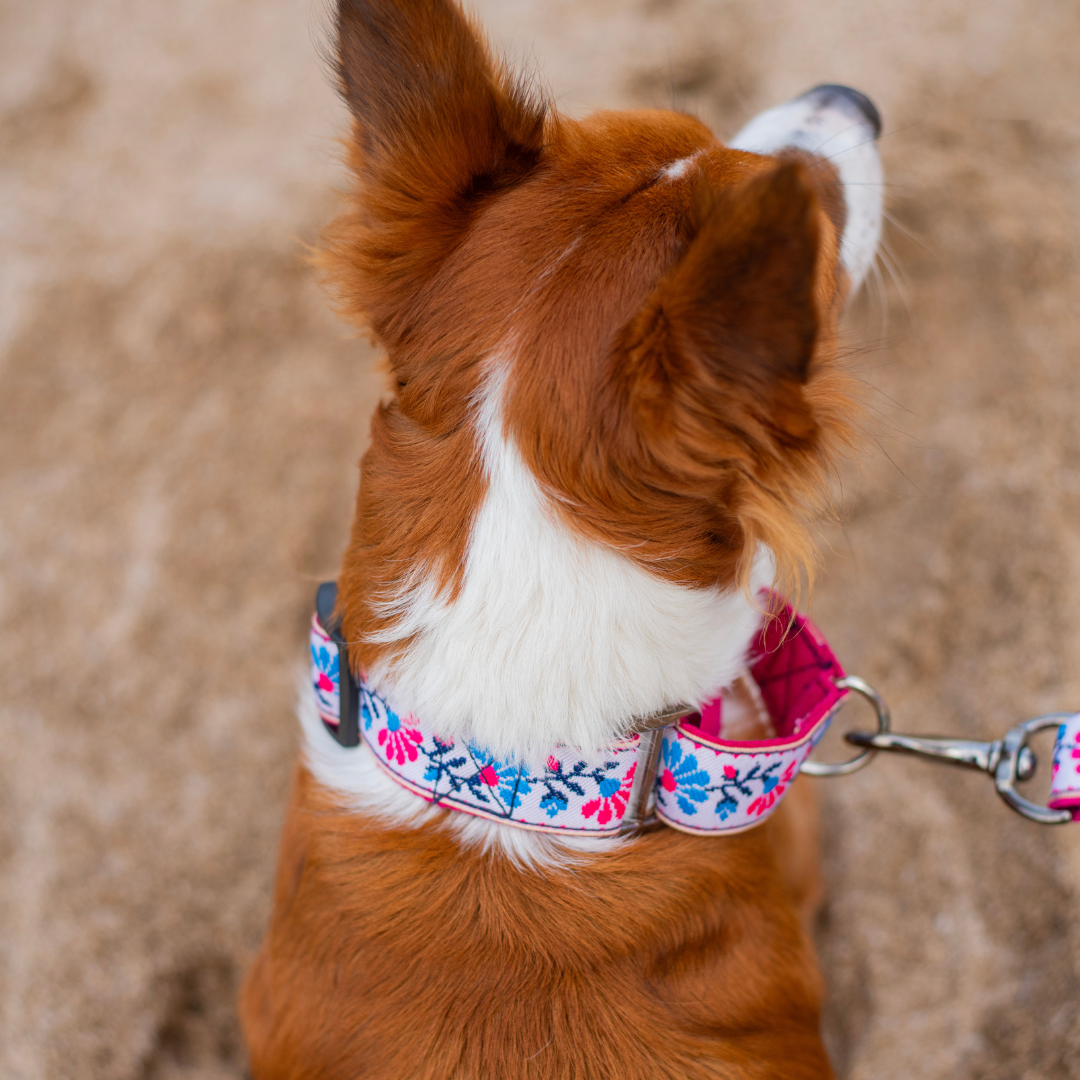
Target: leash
<point>676,766</point>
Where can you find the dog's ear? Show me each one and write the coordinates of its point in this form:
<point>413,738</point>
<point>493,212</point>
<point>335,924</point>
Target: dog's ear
<point>437,124</point>
<point>724,344</point>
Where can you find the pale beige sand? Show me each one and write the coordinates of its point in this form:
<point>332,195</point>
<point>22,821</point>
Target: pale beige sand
<point>181,418</point>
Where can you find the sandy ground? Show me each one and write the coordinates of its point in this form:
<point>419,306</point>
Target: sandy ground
<point>181,422</point>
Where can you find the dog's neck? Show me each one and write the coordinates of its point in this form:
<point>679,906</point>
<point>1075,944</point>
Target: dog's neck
<point>553,639</point>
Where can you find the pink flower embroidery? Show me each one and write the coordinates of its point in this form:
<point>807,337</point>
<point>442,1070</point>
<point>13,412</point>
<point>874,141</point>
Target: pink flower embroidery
<point>398,742</point>
<point>770,798</point>
<point>613,798</point>
<point>489,776</point>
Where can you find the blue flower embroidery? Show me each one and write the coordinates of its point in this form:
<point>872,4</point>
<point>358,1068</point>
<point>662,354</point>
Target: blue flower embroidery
<point>733,786</point>
<point>512,784</point>
<point>553,803</point>
<point>326,663</point>
<point>325,673</point>
<point>373,707</point>
<point>507,779</point>
<point>683,777</point>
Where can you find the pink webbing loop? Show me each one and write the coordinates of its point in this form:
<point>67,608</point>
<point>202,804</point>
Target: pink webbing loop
<point>1065,770</point>
<point>709,784</point>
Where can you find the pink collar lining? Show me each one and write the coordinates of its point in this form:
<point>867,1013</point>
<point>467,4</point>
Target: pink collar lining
<point>704,783</point>
<point>1065,769</point>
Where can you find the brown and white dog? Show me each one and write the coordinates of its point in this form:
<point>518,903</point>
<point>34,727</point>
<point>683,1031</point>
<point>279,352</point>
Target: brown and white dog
<point>615,399</point>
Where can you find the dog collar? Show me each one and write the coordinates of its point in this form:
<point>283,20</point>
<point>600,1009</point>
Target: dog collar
<point>687,773</point>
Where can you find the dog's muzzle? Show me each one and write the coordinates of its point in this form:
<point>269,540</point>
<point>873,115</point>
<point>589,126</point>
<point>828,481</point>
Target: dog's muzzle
<point>840,125</point>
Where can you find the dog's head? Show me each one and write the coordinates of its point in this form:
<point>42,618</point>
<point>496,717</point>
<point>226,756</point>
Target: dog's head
<point>632,317</point>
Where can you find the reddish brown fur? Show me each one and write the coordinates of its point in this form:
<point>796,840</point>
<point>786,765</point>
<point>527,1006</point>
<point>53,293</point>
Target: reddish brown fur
<point>393,953</point>
<point>668,347</point>
<point>667,414</point>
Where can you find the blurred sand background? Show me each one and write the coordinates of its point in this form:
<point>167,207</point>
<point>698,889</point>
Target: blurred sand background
<point>181,417</point>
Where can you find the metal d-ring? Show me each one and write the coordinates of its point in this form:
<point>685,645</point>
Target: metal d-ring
<point>843,768</point>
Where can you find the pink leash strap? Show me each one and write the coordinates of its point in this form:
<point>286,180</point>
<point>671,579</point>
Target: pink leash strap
<point>1065,768</point>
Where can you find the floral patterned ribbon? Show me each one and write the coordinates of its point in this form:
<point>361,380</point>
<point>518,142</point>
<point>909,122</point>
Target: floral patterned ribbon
<point>708,784</point>
<point>704,784</point>
<point>1065,770</point>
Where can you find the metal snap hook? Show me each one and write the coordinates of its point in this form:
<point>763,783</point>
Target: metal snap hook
<point>843,768</point>
<point>1007,760</point>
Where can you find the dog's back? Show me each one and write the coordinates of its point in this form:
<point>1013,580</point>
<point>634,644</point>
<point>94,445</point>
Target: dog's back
<point>394,952</point>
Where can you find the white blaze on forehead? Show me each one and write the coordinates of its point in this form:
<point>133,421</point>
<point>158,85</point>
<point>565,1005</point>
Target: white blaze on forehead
<point>678,168</point>
<point>833,128</point>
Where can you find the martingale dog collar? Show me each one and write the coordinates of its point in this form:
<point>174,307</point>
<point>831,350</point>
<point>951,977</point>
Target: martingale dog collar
<point>685,772</point>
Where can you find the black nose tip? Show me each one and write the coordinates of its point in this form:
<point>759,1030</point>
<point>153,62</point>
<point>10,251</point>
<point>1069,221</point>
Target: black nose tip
<point>845,97</point>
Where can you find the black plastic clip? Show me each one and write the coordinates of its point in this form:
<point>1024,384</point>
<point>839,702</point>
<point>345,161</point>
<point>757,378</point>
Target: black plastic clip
<point>347,730</point>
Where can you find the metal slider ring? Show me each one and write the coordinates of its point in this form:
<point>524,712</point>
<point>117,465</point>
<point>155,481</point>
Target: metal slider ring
<point>844,768</point>
<point>640,810</point>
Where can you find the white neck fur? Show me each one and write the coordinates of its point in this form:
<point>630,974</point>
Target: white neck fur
<point>553,639</point>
